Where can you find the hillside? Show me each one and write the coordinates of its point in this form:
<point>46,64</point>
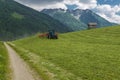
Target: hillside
<point>86,55</point>
<point>4,63</point>
<point>88,16</point>
<point>65,18</point>
<point>77,19</point>
<point>18,21</point>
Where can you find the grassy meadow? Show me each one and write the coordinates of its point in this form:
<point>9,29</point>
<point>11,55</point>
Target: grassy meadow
<point>86,55</point>
<point>4,70</point>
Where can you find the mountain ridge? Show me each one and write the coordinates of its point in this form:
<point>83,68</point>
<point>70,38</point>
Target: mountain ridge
<point>17,20</point>
<point>83,16</point>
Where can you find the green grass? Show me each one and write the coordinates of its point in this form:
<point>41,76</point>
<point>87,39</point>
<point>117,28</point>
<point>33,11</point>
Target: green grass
<point>86,55</point>
<point>4,63</point>
<point>17,16</point>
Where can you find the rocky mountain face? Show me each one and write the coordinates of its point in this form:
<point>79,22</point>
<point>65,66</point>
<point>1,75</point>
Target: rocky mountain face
<point>77,19</point>
<point>87,16</point>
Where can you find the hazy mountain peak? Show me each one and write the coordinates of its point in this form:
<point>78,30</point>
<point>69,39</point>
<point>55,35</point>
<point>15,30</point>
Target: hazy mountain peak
<point>71,7</point>
<point>82,16</point>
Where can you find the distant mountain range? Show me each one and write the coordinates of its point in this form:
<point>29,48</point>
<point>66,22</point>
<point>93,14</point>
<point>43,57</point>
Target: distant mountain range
<point>18,21</point>
<point>77,19</point>
<point>66,18</point>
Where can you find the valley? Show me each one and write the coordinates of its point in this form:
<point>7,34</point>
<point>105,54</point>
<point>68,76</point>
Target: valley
<point>59,40</point>
<point>18,21</point>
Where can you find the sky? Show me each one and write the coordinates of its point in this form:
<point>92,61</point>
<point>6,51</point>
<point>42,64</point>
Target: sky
<point>108,9</point>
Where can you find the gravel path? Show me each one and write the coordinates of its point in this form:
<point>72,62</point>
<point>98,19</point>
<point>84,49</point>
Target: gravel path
<point>18,66</point>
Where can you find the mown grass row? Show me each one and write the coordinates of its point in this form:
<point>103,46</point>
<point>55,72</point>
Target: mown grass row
<point>42,67</point>
<point>89,55</point>
<point>4,63</point>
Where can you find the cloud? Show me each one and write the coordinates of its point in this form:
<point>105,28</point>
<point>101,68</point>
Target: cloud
<point>53,6</point>
<point>87,1</point>
<point>39,2</point>
<point>82,4</point>
<point>87,4</point>
<point>109,12</point>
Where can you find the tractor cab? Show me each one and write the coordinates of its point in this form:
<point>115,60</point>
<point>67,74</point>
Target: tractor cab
<point>52,34</point>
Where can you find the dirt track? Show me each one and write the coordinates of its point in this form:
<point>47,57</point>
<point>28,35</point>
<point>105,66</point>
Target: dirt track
<point>18,66</point>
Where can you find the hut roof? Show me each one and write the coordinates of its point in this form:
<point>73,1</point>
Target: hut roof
<point>92,24</point>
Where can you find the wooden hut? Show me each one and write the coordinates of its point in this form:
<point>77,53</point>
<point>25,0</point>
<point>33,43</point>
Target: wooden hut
<point>92,25</point>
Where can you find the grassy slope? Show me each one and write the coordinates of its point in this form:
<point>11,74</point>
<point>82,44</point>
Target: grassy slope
<point>90,55</point>
<point>3,63</point>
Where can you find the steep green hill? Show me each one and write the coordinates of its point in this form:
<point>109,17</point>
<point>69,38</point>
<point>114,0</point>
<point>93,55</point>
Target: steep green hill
<point>86,55</point>
<point>18,21</point>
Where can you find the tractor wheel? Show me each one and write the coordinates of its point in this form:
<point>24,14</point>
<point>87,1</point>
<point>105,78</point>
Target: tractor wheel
<point>48,36</point>
<point>56,37</point>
